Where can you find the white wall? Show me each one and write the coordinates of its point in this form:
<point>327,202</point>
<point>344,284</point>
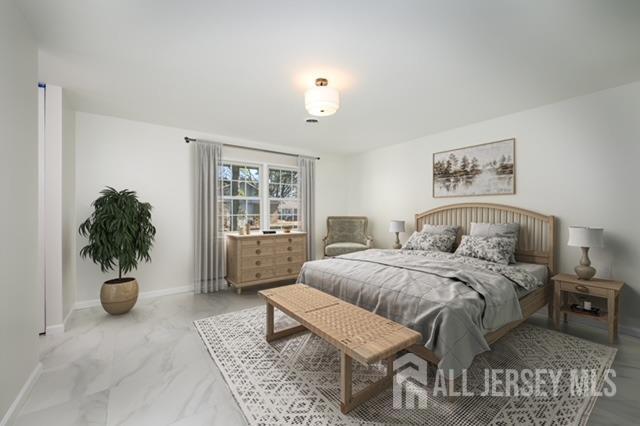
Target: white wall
<point>68,208</point>
<point>19,208</point>
<point>53,208</point>
<point>576,159</point>
<point>154,161</point>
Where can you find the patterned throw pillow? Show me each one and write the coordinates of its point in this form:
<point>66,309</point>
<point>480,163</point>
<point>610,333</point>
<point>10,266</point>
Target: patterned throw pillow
<point>493,249</point>
<point>505,230</point>
<point>428,228</point>
<point>430,242</point>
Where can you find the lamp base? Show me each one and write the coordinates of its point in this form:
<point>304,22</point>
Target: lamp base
<point>585,272</point>
<point>397,244</point>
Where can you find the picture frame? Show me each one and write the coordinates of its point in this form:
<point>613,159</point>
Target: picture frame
<point>476,170</point>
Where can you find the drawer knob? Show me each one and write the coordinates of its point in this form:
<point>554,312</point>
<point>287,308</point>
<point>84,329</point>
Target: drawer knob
<point>582,288</point>
<point>258,242</point>
<point>289,270</point>
<point>289,259</point>
<point>289,248</point>
<point>258,251</point>
<point>290,240</point>
<point>258,274</point>
<point>258,263</point>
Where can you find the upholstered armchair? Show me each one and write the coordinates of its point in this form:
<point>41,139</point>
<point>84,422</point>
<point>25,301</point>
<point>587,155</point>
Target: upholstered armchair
<point>346,234</point>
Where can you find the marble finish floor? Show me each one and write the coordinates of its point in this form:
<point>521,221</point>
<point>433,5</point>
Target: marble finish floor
<point>149,367</point>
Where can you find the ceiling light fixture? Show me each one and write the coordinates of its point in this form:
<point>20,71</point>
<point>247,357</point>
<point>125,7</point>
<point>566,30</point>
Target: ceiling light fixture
<point>322,100</point>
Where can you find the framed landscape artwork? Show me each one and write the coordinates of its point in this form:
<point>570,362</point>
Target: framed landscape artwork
<point>487,169</point>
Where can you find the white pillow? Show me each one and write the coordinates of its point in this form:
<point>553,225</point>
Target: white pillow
<point>503,230</point>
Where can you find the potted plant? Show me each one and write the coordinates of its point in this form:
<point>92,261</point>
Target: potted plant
<point>120,235</point>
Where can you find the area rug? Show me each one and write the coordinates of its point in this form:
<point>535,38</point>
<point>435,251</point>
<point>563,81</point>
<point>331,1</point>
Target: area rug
<point>295,381</point>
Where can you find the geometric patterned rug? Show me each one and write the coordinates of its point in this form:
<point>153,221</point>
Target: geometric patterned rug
<point>295,380</point>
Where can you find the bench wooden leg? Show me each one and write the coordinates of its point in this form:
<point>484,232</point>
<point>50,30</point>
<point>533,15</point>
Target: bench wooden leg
<point>349,401</point>
<point>275,335</point>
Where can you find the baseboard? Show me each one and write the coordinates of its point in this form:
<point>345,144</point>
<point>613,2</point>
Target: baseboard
<point>83,304</point>
<point>54,329</point>
<point>22,395</point>
<point>624,329</point>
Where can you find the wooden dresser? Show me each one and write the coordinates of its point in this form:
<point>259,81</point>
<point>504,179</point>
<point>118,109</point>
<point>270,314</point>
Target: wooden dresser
<point>264,258</point>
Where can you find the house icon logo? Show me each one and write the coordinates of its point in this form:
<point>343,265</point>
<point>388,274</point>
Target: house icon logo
<point>410,382</point>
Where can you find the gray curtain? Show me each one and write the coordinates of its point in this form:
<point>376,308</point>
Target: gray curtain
<point>209,231</point>
<point>307,178</point>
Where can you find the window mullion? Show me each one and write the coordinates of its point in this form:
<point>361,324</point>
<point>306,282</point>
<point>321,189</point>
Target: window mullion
<point>264,196</point>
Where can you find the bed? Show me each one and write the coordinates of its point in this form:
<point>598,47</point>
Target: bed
<point>459,306</point>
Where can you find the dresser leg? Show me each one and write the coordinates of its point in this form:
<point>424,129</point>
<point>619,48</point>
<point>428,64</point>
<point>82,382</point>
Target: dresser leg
<point>238,290</point>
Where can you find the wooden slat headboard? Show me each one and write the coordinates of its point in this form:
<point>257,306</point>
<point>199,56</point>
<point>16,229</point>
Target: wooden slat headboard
<point>536,242</point>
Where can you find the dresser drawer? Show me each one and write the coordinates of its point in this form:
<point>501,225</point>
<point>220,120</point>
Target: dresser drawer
<point>257,261</point>
<point>256,274</point>
<point>289,258</point>
<point>289,239</point>
<point>286,270</point>
<point>257,242</point>
<point>281,249</point>
<point>267,250</point>
<point>582,289</point>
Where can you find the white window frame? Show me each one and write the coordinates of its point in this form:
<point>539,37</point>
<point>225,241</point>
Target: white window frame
<point>269,198</point>
<point>259,198</point>
<point>263,198</point>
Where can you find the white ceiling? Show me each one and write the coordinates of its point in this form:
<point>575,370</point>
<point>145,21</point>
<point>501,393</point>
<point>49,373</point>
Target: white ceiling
<point>404,68</point>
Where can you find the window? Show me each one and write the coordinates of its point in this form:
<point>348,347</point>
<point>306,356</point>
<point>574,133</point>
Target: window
<point>249,198</point>
<point>283,197</point>
<point>241,196</point>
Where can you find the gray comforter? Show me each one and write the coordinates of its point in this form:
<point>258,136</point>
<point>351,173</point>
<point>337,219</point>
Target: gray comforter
<point>453,301</point>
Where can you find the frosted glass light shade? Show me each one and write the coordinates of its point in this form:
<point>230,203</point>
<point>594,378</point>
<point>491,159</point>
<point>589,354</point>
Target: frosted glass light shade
<point>580,236</point>
<point>322,101</point>
<point>396,226</point>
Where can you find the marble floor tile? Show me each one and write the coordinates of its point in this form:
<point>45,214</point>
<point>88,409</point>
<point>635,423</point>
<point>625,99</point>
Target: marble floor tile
<point>88,410</point>
<point>149,367</point>
<point>79,378</point>
<point>165,399</point>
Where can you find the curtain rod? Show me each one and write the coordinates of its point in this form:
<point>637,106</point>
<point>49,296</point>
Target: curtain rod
<point>187,139</point>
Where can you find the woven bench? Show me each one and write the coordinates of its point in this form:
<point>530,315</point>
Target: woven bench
<point>357,333</point>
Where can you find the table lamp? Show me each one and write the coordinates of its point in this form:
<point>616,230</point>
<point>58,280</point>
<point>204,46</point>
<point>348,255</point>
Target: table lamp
<point>583,237</point>
<point>397,226</point>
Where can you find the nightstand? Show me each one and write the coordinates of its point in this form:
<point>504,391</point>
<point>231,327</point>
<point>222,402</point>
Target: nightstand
<point>606,289</point>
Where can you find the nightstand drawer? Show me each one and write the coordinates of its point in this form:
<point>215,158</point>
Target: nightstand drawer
<point>583,289</point>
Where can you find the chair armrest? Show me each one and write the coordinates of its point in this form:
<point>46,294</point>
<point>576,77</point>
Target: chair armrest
<point>369,241</point>
<point>324,245</point>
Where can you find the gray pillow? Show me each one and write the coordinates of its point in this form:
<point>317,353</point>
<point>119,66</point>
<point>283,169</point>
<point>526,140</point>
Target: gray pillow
<point>430,242</point>
<point>493,249</point>
<point>504,230</point>
<point>427,228</point>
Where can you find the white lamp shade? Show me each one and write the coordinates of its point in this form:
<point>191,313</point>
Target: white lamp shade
<point>396,226</point>
<point>580,236</point>
<point>322,101</point>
